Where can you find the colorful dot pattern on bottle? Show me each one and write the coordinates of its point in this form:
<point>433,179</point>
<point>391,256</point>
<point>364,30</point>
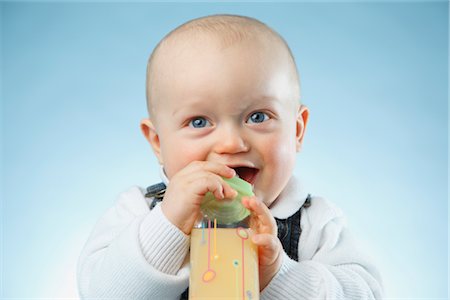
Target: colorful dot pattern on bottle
<point>216,262</point>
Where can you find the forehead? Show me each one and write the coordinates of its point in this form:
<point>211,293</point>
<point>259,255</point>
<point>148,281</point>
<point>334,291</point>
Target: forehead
<point>195,49</point>
<point>203,66</point>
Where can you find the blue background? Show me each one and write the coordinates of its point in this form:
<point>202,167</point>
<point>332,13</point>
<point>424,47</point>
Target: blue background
<point>374,75</point>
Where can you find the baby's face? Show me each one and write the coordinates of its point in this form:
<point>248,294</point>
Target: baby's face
<point>237,106</point>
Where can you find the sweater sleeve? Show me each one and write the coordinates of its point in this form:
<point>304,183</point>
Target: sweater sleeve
<point>330,265</point>
<point>134,253</point>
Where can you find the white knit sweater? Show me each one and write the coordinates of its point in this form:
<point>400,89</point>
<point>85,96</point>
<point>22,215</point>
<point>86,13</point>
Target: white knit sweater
<point>136,253</point>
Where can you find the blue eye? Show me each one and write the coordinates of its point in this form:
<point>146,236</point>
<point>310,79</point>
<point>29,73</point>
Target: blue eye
<point>258,117</point>
<point>199,122</point>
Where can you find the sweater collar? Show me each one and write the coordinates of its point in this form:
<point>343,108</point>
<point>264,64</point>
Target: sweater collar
<point>290,199</point>
<point>287,203</point>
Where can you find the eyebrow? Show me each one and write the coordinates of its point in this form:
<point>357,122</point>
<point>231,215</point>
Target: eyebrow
<point>263,99</point>
<point>193,105</point>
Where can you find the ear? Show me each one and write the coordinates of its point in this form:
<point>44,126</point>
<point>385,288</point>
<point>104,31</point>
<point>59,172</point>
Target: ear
<point>150,133</point>
<point>302,120</point>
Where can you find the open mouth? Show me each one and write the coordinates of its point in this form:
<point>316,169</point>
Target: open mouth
<point>247,173</point>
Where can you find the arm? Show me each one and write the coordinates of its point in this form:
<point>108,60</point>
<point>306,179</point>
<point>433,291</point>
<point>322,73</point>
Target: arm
<point>330,266</point>
<point>135,253</point>
<point>123,256</point>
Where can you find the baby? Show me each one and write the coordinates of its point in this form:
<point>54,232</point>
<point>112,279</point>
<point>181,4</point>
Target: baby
<point>223,100</point>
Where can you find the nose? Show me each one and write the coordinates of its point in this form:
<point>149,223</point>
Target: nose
<point>230,140</point>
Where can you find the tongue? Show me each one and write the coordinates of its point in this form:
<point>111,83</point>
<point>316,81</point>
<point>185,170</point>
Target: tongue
<point>245,173</point>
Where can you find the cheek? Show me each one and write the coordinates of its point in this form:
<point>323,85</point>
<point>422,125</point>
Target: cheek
<point>282,156</point>
<point>279,162</point>
<point>280,149</point>
<point>177,155</point>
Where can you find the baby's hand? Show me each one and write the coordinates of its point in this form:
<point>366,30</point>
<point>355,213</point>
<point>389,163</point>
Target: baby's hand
<point>265,237</point>
<point>184,194</point>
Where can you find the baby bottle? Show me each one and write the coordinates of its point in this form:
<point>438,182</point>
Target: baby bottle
<point>224,261</point>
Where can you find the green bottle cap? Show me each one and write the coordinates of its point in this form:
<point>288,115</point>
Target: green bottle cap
<point>228,211</point>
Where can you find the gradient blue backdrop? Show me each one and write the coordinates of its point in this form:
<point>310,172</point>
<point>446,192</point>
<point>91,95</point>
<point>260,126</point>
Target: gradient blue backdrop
<point>374,76</point>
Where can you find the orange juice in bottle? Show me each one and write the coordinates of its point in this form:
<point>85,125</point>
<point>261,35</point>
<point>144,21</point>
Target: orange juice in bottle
<point>224,261</point>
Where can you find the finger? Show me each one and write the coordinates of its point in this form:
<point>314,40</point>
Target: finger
<point>245,201</point>
<point>261,212</point>
<point>269,248</point>
<point>266,241</point>
<point>209,166</point>
<point>229,192</point>
<point>204,182</point>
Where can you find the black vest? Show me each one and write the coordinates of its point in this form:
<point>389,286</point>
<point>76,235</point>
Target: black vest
<point>289,229</point>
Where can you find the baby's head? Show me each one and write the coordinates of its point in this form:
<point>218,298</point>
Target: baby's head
<point>226,89</point>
